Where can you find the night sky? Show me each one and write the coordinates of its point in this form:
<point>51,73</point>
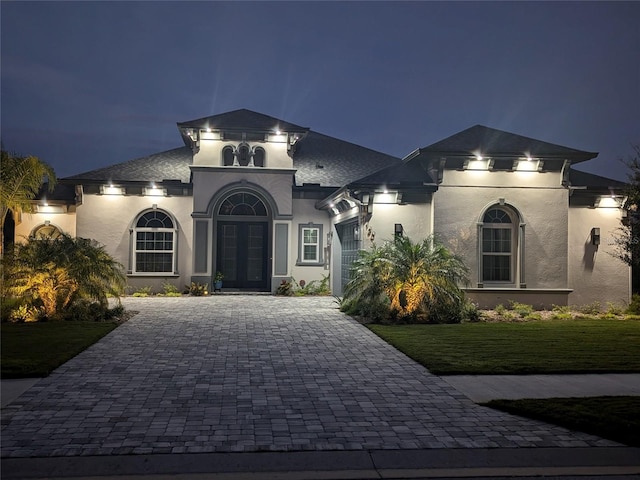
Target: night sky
<point>89,84</point>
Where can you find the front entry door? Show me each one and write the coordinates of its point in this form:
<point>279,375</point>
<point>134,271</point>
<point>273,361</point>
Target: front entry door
<point>242,254</point>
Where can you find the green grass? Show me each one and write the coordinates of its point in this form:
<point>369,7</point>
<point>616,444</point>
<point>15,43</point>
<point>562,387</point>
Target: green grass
<point>36,349</point>
<point>615,418</point>
<point>550,346</point>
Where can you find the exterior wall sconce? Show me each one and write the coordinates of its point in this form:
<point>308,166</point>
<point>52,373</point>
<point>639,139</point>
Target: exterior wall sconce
<point>398,231</point>
<point>595,236</point>
<point>356,233</point>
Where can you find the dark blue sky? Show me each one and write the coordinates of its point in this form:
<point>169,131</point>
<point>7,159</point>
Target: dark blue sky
<point>89,84</point>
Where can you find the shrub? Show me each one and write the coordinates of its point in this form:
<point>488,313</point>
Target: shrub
<point>614,309</point>
<point>634,306</point>
<point>170,289</point>
<point>314,287</point>
<point>285,288</point>
<point>522,309</point>
<point>470,312</point>
<point>533,317</point>
<point>142,292</point>
<point>198,289</point>
<point>85,309</point>
<point>25,313</point>
<point>591,308</point>
<point>561,312</point>
<point>8,305</point>
<point>504,314</point>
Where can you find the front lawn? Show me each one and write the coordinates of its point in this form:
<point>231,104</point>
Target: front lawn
<point>615,418</point>
<point>549,346</point>
<point>36,349</point>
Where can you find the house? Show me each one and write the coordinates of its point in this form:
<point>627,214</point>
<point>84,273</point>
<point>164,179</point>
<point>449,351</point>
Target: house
<point>264,200</point>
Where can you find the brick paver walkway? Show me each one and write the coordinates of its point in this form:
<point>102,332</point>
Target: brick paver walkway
<point>252,373</point>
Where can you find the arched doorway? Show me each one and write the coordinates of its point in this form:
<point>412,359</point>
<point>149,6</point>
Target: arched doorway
<point>242,252</point>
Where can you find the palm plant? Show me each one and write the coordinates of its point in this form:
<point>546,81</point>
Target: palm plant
<point>20,181</point>
<point>55,272</point>
<point>365,294</point>
<point>424,278</point>
<point>406,280</point>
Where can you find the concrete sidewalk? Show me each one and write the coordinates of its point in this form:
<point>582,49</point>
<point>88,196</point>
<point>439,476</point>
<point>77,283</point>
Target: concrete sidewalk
<point>482,388</point>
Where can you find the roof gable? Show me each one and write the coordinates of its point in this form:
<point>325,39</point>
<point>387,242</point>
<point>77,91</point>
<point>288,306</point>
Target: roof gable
<point>490,141</point>
<point>242,120</point>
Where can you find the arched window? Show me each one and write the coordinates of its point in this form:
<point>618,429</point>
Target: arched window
<point>499,245</point>
<point>154,244</point>
<point>258,157</point>
<point>243,203</point>
<point>45,231</point>
<point>244,155</point>
<point>227,156</point>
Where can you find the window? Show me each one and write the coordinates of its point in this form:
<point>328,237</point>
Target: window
<point>227,156</point>
<point>243,204</point>
<point>154,243</point>
<point>258,157</point>
<point>498,246</point>
<point>243,156</point>
<point>45,231</point>
<point>310,244</point>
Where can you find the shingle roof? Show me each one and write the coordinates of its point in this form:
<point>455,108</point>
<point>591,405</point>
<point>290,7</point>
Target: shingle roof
<point>242,119</point>
<point>62,193</point>
<point>332,162</point>
<point>168,165</point>
<point>489,141</point>
<point>406,174</point>
<point>589,180</point>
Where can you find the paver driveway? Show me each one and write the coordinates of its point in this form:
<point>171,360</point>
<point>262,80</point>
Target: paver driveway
<point>252,373</point>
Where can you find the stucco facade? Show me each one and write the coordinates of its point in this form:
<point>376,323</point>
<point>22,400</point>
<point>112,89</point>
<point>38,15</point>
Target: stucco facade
<point>263,200</point>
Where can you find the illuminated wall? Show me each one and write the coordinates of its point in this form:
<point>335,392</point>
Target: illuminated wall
<point>109,218</point>
<point>594,273</point>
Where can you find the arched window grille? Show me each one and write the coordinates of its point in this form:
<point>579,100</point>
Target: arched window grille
<point>45,231</point>
<point>243,203</point>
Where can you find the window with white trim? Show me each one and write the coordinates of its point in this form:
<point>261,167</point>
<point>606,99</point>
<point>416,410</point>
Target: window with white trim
<point>310,244</point>
<point>154,243</point>
<point>499,246</point>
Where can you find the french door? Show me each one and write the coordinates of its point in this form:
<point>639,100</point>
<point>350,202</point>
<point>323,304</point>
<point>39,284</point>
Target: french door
<point>242,254</point>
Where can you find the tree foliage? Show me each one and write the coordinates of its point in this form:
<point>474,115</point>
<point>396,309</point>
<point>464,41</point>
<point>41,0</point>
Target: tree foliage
<point>20,181</point>
<point>54,273</point>
<point>627,237</point>
<point>407,281</point>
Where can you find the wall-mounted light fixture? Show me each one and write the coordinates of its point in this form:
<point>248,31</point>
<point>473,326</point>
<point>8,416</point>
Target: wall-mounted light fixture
<point>398,230</point>
<point>111,190</point>
<point>595,236</point>
<point>356,233</point>
<point>155,191</point>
